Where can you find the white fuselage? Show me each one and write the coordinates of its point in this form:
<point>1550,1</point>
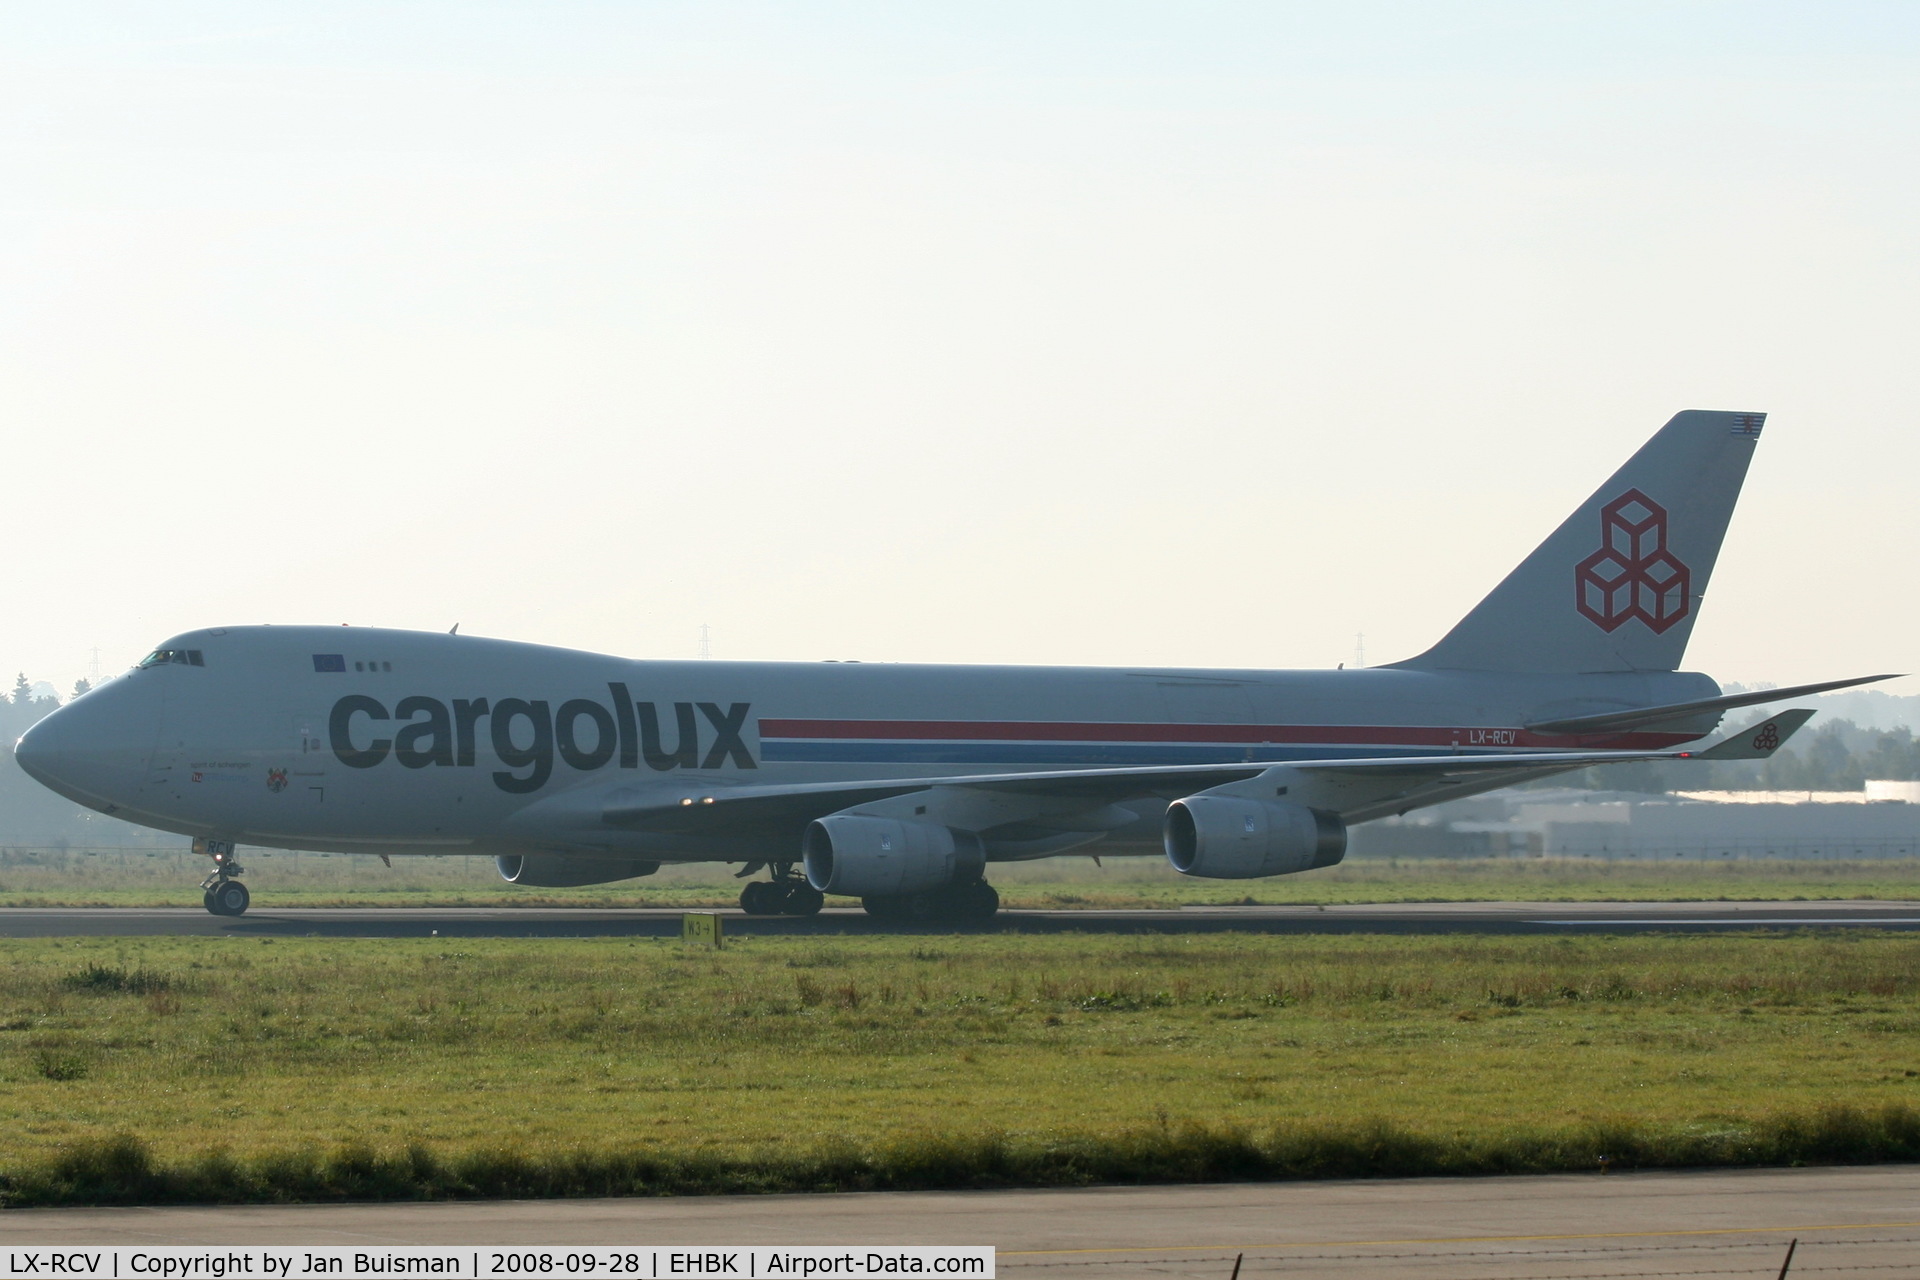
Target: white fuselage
<point>401,742</point>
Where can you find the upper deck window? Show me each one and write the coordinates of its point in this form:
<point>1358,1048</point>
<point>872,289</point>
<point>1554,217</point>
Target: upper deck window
<point>160,657</point>
<point>338,662</point>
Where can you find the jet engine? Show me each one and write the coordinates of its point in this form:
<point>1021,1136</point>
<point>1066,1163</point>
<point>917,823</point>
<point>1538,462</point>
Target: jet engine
<point>1232,838</point>
<point>871,857</point>
<point>565,870</point>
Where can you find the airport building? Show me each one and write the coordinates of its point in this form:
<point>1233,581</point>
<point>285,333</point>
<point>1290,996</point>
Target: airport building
<point>1881,821</point>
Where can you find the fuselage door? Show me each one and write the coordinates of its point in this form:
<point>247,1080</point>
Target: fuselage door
<point>309,772</point>
<point>164,761</point>
<point>308,728</point>
<point>161,768</point>
<point>1206,701</point>
<point>1200,703</point>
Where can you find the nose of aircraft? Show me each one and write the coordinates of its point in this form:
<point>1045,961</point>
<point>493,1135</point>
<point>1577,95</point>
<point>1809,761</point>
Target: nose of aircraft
<point>90,750</point>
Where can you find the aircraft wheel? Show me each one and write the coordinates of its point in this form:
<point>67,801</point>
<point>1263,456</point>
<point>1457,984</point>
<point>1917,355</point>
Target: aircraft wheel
<point>976,903</point>
<point>760,898</point>
<point>206,900</point>
<point>803,900</point>
<point>910,908</point>
<point>890,909</point>
<point>926,908</point>
<point>230,898</point>
<point>957,904</point>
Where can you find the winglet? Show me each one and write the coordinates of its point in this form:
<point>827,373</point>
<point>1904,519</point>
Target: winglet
<point>1758,742</point>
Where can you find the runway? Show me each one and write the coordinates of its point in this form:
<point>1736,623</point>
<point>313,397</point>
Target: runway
<point>542,922</point>
<point>1737,1223</point>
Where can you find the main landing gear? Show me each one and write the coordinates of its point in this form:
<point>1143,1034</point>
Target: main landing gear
<point>222,891</point>
<point>784,895</point>
<point>973,903</point>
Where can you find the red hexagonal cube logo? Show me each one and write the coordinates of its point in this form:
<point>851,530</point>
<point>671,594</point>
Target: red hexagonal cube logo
<point>1632,575</point>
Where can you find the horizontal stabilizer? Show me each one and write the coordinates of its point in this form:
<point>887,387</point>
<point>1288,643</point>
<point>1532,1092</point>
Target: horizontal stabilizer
<point>1760,741</point>
<point>1647,717</point>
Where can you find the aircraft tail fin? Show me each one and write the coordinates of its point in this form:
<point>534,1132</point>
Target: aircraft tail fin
<point>1617,587</point>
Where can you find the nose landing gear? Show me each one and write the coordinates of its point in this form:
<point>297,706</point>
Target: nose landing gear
<point>222,891</point>
<point>784,895</point>
<point>227,898</point>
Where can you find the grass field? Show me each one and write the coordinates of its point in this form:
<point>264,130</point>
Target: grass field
<point>250,1069</point>
<point>171,878</point>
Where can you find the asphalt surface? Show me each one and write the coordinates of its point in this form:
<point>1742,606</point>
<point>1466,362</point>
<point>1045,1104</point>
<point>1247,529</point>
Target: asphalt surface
<point>528,922</point>
<point>1853,1220</point>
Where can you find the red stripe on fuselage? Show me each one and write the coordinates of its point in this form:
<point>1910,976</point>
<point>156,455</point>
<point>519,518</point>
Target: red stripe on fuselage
<point>1110,731</point>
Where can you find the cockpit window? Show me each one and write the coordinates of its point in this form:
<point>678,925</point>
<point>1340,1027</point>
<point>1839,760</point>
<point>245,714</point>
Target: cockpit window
<point>160,657</point>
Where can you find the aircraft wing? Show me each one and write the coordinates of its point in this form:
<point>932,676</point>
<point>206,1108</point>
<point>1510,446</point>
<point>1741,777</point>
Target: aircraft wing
<point>1356,789</point>
<point>738,809</point>
<point>1360,790</point>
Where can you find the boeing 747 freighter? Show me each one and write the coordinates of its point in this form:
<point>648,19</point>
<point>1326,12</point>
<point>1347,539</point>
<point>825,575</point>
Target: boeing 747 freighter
<point>902,785</point>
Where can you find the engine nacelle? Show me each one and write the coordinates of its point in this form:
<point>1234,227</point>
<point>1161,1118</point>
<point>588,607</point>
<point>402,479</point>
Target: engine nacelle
<point>568,870</point>
<point>869,857</point>
<point>1231,838</point>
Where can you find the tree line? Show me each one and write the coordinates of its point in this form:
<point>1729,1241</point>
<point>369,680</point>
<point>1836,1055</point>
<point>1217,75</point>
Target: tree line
<point>29,813</point>
<point>22,707</point>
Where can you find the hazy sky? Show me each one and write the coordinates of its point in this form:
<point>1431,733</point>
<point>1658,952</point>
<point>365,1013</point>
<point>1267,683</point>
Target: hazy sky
<point>1195,334</point>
